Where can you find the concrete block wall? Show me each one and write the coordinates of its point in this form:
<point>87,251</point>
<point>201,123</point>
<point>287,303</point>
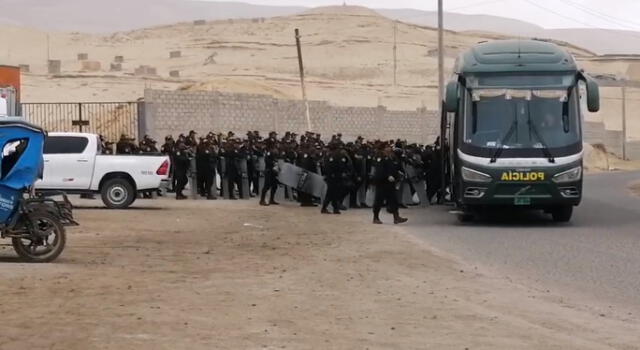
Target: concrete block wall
<point>633,150</point>
<point>613,141</point>
<point>175,112</point>
<point>594,132</point>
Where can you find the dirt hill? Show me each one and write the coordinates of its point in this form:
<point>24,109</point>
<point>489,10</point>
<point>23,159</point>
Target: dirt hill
<point>348,57</point>
<point>348,53</point>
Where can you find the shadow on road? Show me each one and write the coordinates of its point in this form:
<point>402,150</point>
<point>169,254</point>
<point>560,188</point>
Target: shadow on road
<point>98,207</point>
<point>516,218</point>
<point>11,260</point>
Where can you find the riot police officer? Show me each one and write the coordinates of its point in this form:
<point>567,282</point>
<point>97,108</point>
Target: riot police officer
<point>233,156</point>
<point>307,161</point>
<point>147,145</point>
<point>385,177</point>
<point>333,175</point>
<point>271,157</point>
<point>183,160</point>
<point>125,145</point>
<point>205,168</point>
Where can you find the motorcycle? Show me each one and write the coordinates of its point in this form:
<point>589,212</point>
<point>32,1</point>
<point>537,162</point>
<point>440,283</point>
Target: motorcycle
<point>35,224</point>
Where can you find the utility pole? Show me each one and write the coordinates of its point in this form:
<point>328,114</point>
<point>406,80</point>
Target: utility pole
<point>395,53</point>
<point>48,48</point>
<point>440,55</point>
<point>440,99</point>
<point>624,120</point>
<point>304,90</point>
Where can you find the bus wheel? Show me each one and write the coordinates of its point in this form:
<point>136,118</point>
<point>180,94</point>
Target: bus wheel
<point>562,214</point>
<point>466,217</point>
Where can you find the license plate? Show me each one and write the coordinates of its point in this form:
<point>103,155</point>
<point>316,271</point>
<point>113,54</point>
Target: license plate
<point>522,201</point>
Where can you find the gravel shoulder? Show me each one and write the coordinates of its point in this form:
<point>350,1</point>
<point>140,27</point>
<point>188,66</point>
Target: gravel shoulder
<point>233,275</point>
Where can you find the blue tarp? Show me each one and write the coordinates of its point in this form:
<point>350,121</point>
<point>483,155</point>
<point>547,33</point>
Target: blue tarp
<point>26,170</point>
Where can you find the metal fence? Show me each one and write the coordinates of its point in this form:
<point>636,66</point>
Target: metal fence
<point>110,119</point>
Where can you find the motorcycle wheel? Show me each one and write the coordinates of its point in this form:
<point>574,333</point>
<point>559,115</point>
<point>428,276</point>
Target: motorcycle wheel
<point>47,239</point>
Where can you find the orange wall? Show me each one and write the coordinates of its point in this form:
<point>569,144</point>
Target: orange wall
<point>10,76</point>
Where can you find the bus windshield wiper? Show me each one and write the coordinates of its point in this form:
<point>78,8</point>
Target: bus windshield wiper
<point>507,136</point>
<point>545,148</point>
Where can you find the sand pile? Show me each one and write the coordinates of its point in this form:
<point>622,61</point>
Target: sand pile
<point>598,159</point>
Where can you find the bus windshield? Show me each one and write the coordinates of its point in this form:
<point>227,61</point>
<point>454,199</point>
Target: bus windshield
<point>522,119</point>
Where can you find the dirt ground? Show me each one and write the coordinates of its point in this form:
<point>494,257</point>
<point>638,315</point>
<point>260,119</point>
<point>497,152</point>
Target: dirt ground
<point>635,188</point>
<point>233,275</point>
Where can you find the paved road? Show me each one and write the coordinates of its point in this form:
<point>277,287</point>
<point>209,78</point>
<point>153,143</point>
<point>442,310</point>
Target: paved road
<point>596,256</point>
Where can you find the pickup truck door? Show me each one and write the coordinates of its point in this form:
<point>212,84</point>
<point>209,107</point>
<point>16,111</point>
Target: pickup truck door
<point>68,162</point>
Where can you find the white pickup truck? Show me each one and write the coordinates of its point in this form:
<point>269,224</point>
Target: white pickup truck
<point>74,164</point>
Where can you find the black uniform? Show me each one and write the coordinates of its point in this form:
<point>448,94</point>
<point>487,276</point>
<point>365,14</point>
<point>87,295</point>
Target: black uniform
<point>270,177</point>
<point>252,171</point>
<point>240,166</point>
<point>183,161</point>
<point>206,169</point>
<point>335,166</point>
<point>433,167</point>
<point>232,172</point>
<point>290,156</point>
<point>307,162</point>
<point>358,179</point>
<point>385,176</point>
<point>125,146</point>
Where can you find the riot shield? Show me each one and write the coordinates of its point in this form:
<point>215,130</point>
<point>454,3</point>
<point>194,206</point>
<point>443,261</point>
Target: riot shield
<point>346,202</point>
<point>214,185</point>
<point>421,186</point>
<point>241,165</point>
<point>362,190</point>
<point>370,195</point>
<point>193,179</point>
<point>411,174</point>
<point>302,180</point>
<point>261,166</point>
<point>224,178</point>
<point>417,182</point>
<point>311,183</point>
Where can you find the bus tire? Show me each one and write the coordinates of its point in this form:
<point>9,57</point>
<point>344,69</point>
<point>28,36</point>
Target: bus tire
<point>562,213</point>
<point>466,217</point>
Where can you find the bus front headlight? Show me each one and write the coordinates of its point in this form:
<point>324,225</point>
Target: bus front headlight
<point>474,176</point>
<point>571,175</point>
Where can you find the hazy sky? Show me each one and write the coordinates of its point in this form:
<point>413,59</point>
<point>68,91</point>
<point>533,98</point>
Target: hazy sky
<point>614,14</point>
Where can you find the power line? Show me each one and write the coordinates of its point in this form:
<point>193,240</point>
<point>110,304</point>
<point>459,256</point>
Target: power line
<point>588,25</point>
<point>427,15</point>
<point>485,2</point>
<point>558,14</point>
<point>599,15</point>
<point>587,8</point>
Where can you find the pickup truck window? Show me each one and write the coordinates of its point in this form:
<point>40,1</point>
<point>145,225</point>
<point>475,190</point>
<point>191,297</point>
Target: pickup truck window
<point>65,144</point>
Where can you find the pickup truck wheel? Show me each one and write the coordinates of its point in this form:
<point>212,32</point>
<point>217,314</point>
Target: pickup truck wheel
<point>118,194</point>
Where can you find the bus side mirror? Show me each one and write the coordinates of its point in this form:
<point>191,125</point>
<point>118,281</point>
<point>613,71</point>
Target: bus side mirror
<point>451,97</point>
<point>593,95</point>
